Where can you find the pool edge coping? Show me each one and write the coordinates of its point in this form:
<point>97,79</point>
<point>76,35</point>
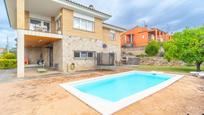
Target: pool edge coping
<point>106,107</point>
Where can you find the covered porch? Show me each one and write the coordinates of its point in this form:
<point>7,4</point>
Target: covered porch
<point>38,55</point>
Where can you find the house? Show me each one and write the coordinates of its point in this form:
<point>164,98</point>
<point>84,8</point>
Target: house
<point>2,50</point>
<point>62,34</point>
<point>139,37</point>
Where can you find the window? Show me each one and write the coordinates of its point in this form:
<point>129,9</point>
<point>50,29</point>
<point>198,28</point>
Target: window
<point>58,25</point>
<point>76,23</point>
<point>112,35</point>
<point>46,26</point>
<point>90,54</point>
<point>39,25</point>
<point>83,24</point>
<point>131,38</point>
<point>83,54</point>
<point>90,26</point>
<point>77,54</point>
<point>34,24</point>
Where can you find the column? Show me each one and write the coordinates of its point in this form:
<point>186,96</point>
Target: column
<point>20,53</point>
<point>53,25</point>
<point>20,14</point>
<point>125,39</point>
<point>155,34</point>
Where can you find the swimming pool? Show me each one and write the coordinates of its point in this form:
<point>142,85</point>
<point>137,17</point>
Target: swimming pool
<point>108,94</point>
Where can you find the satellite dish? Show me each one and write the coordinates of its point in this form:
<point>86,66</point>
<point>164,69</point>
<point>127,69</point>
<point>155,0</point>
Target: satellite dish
<point>91,7</point>
<point>104,46</point>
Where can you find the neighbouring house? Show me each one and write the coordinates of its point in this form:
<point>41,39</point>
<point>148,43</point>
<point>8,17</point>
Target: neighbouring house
<point>2,50</point>
<point>64,34</point>
<point>140,36</point>
<point>136,39</point>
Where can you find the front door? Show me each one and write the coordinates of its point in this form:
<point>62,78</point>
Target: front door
<point>50,52</point>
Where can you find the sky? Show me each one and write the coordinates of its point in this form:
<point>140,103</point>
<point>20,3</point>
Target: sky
<point>168,15</point>
<point>5,30</point>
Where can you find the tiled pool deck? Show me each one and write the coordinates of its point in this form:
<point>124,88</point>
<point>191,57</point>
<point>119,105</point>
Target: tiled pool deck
<point>45,97</point>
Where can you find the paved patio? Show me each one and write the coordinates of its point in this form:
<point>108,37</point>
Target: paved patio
<point>32,72</point>
<point>43,96</point>
<point>7,75</point>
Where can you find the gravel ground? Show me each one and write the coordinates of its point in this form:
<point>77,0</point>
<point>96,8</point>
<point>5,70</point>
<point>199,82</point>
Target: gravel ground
<point>43,96</point>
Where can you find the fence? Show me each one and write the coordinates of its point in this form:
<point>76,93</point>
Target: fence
<point>105,59</point>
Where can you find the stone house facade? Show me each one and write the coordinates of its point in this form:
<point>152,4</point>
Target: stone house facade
<point>61,33</point>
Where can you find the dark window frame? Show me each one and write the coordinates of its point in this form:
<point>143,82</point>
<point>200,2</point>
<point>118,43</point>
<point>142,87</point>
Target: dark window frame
<point>86,55</point>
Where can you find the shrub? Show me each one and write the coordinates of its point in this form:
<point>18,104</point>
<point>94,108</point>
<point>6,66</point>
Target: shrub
<point>8,56</point>
<point>8,63</point>
<point>152,48</point>
<point>130,53</point>
<point>141,55</point>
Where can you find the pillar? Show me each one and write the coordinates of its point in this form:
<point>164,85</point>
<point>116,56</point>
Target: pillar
<point>20,14</point>
<point>156,35</point>
<point>20,53</point>
<point>27,20</point>
<point>53,25</point>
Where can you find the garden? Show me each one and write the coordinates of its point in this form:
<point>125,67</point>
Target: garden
<point>186,46</point>
<point>8,61</point>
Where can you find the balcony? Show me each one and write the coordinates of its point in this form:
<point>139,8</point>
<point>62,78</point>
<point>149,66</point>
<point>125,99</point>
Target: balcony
<point>43,34</point>
<point>44,24</point>
<point>128,45</point>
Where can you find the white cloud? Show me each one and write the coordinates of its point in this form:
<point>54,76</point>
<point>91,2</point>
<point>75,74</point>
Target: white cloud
<point>156,13</point>
<point>174,22</point>
<point>143,20</point>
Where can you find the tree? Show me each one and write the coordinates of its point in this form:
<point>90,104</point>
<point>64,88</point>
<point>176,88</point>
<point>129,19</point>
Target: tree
<point>152,48</point>
<point>187,46</point>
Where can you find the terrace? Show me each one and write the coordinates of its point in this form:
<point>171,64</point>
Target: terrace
<point>44,96</point>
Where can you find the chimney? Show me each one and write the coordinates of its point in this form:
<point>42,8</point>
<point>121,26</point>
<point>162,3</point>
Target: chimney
<point>91,7</point>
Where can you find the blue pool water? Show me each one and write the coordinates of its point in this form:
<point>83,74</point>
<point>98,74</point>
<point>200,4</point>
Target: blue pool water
<point>121,86</point>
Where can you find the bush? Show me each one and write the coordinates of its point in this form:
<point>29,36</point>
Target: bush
<point>141,55</point>
<point>8,56</point>
<point>152,48</point>
<point>8,63</point>
<point>130,53</point>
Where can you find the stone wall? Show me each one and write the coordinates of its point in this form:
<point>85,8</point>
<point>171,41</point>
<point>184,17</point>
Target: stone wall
<point>71,44</point>
<point>159,61</point>
<point>33,55</point>
<point>57,55</point>
<point>133,51</point>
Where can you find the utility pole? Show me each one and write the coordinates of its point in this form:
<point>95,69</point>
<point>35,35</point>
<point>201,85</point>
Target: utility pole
<point>7,44</point>
<point>145,25</point>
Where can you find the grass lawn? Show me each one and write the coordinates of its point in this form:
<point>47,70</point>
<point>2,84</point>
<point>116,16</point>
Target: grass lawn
<point>177,69</point>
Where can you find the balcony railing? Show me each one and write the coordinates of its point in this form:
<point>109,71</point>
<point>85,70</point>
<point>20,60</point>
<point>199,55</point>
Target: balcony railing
<point>39,28</point>
<point>128,45</point>
<point>44,29</point>
<point>41,33</point>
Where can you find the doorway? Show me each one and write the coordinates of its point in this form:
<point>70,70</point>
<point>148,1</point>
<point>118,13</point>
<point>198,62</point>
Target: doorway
<point>50,55</point>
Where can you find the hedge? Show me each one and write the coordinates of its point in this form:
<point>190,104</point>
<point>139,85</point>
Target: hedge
<point>8,56</point>
<point>8,63</point>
